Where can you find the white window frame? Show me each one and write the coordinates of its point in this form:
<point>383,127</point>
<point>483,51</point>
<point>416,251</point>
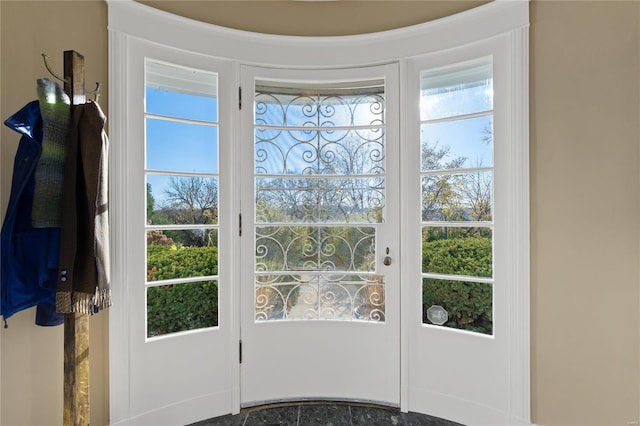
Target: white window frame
<point>129,21</point>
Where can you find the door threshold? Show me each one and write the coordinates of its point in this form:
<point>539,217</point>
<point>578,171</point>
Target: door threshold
<point>260,405</point>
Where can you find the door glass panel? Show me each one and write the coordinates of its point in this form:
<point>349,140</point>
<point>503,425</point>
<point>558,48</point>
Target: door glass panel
<point>463,305</point>
<point>456,111</point>
<point>319,162</point>
<point>345,104</point>
<point>312,295</point>
<point>181,174</point>
<point>314,248</point>
<point>310,152</point>
<point>172,308</point>
<point>303,199</point>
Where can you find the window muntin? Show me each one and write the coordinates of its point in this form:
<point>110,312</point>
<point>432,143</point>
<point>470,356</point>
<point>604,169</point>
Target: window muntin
<point>456,110</point>
<point>319,181</point>
<point>182,182</point>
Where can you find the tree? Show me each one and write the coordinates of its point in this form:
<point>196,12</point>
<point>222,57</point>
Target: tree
<point>478,186</point>
<point>191,200</point>
<point>440,200</point>
<point>188,200</point>
<point>477,190</point>
<point>151,203</point>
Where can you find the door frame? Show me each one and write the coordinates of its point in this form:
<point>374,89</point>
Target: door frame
<point>385,386</point>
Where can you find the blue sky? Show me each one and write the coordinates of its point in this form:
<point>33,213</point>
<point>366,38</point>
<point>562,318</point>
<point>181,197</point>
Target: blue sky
<point>173,146</point>
<point>193,148</point>
<point>463,138</point>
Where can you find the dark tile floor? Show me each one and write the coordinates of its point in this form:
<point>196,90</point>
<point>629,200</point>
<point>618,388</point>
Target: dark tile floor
<point>324,414</point>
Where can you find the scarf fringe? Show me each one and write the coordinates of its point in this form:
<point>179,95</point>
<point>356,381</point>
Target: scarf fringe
<point>84,303</point>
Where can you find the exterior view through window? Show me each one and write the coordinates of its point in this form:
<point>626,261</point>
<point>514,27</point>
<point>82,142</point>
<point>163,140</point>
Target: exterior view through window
<point>339,218</point>
<point>181,170</point>
<point>319,170</point>
<point>456,112</point>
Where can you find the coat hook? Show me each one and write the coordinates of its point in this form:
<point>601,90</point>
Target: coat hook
<point>46,64</point>
<point>96,91</point>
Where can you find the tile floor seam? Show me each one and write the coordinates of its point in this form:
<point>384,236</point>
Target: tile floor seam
<point>350,418</point>
<point>298,419</point>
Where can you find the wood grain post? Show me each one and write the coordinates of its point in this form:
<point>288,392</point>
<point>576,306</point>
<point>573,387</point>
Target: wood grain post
<point>76,325</point>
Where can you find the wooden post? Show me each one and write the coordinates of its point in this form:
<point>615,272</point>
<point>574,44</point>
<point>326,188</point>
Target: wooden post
<point>76,325</point>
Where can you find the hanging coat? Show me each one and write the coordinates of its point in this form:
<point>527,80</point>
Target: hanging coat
<point>28,255</point>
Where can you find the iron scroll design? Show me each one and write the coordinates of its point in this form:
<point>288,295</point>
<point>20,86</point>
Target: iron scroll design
<point>319,164</point>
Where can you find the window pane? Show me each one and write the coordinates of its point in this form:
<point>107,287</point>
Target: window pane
<point>298,199</point>
<point>319,156</point>
<point>457,144</point>
<point>345,152</point>
<point>457,197</point>
<point>317,105</point>
<point>181,253</point>
<point>457,251</point>
<point>181,92</point>
<point>450,92</point>
<point>181,307</point>
<point>181,147</point>
<point>181,200</point>
<point>286,248</point>
<point>464,305</point>
<point>345,297</point>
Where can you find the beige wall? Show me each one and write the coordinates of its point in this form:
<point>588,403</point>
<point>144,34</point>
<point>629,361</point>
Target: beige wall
<point>585,190</point>
<point>31,358</point>
<point>585,212</point>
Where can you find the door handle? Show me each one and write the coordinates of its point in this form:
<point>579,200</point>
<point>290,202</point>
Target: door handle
<point>387,258</point>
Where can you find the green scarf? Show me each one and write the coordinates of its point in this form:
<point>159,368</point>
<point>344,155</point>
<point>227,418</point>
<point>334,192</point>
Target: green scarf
<point>55,109</point>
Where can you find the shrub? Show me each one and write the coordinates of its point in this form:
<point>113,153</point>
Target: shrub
<point>468,304</point>
<point>184,306</point>
<point>181,307</point>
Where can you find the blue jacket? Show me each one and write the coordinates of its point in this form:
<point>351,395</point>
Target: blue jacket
<point>28,255</point>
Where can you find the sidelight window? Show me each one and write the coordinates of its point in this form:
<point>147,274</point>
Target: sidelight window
<point>181,171</point>
<point>456,115</point>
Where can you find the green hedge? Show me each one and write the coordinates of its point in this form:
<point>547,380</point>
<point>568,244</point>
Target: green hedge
<point>468,304</point>
<point>184,306</point>
<point>167,262</point>
<point>179,307</point>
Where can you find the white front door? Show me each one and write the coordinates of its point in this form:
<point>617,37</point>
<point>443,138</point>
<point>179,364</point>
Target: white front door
<point>320,288</point>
